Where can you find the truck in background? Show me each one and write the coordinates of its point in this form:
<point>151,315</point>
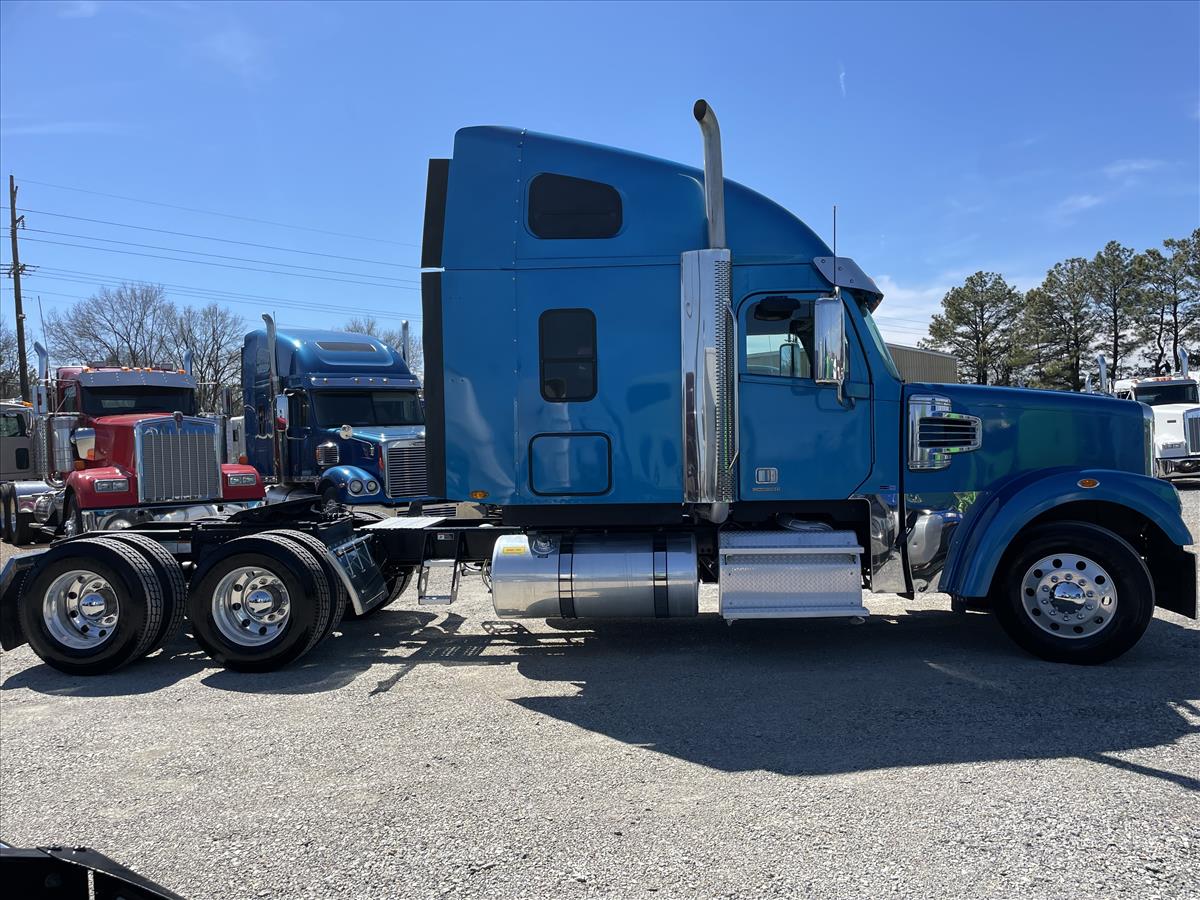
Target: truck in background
<point>331,414</point>
<point>118,446</point>
<point>1175,403</point>
<point>16,459</point>
<point>648,401</point>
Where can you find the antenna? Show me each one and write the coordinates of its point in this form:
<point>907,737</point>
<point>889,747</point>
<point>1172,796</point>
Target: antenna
<point>837,291</point>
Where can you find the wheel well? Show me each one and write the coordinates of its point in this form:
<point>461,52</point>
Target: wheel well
<point>1142,533</point>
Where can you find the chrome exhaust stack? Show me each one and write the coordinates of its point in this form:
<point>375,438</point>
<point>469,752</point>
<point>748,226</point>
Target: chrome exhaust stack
<point>714,178</point>
<point>709,348</point>
<point>1103,364</point>
<point>1183,363</point>
<point>41,399</point>
<point>278,443</point>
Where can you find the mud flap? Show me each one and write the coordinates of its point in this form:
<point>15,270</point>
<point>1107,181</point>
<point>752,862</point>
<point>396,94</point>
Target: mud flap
<point>12,577</point>
<point>1174,572</point>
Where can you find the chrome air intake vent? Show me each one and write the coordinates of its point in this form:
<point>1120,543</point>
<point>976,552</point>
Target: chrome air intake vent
<point>405,475</point>
<point>1191,430</point>
<point>935,433</point>
<point>327,454</point>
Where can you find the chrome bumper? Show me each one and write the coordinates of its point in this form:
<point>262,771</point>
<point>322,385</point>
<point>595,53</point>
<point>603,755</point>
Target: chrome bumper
<point>128,516</point>
<point>1174,467</point>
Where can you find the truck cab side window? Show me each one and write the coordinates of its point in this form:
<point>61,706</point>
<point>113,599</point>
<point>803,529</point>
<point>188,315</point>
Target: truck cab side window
<point>567,338</point>
<point>70,399</point>
<point>779,337</point>
<point>12,425</point>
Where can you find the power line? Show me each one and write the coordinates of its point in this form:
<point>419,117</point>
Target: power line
<point>209,237</point>
<point>76,276</point>
<point>210,212</point>
<point>204,262</point>
<point>265,262</point>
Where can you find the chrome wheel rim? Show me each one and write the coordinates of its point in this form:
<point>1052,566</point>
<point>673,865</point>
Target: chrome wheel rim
<point>251,606</point>
<point>1069,596</point>
<point>80,610</point>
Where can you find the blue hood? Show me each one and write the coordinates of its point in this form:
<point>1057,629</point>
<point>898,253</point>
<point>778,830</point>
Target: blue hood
<point>378,434</point>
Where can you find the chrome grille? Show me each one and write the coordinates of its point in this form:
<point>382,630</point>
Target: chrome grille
<point>405,475</point>
<point>1191,430</point>
<point>178,463</point>
<point>944,433</point>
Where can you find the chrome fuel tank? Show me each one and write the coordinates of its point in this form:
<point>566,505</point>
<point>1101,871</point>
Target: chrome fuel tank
<point>546,576</point>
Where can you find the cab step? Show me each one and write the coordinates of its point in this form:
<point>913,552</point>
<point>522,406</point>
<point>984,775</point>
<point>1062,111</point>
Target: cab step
<point>437,585</point>
<point>790,574</point>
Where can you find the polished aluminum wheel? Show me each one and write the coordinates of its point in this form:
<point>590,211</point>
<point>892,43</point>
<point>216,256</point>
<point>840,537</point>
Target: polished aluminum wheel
<point>80,610</point>
<point>251,606</point>
<point>1069,596</point>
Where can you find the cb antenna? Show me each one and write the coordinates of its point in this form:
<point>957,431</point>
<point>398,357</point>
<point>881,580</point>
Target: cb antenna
<point>837,291</point>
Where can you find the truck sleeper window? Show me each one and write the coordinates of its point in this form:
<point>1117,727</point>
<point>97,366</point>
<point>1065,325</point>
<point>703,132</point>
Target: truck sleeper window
<point>331,409</point>
<point>1160,394</point>
<point>567,338</point>
<point>779,337</point>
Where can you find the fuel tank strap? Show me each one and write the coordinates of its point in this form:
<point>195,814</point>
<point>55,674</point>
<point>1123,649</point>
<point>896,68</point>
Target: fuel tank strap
<point>566,582</point>
<point>661,608</point>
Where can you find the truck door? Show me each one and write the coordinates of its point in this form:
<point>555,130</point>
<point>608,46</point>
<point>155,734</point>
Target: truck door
<point>15,463</point>
<point>797,441</point>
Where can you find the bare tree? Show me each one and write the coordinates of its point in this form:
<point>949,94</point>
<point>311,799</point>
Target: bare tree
<point>213,334</point>
<point>393,338</point>
<point>128,326</point>
<point>10,372</point>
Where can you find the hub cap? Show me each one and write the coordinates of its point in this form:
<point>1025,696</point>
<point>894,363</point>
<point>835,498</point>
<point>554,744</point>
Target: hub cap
<point>251,607</point>
<point>1068,596</point>
<point>80,610</point>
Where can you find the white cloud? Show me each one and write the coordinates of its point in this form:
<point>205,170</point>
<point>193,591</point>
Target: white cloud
<point>1067,209</point>
<point>842,78</point>
<point>1125,167</point>
<point>237,50</point>
<point>78,9</point>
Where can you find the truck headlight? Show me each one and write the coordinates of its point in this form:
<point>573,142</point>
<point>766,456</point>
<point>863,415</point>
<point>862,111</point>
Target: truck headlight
<point>356,486</point>
<point>111,485</point>
<point>245,479</point>
<point>372,486</point>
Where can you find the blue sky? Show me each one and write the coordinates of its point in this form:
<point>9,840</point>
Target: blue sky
<point>951,137</point>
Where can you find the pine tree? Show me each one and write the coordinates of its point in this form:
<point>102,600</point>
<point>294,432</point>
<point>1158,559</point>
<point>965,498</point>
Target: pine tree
<point>1115,295</point>
<point>978,325</point>
<point>1063,313</point>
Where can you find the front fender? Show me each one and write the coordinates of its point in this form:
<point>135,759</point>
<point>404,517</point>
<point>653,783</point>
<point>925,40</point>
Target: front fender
<point>82,484</point>
<point>341,476</point>
<point>986,534</point>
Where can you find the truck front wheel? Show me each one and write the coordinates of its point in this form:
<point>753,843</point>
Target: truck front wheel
<point>1074,592</point>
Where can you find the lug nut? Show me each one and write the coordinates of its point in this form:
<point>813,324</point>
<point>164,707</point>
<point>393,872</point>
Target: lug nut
<point>235,606</point>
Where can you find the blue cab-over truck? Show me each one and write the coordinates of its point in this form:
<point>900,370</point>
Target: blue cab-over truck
<point>654,378</point>
<point>334,414</point>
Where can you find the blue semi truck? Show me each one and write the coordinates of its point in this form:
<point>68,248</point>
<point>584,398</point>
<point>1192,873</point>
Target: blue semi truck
<point>655,378</point>
<point>334,414</point>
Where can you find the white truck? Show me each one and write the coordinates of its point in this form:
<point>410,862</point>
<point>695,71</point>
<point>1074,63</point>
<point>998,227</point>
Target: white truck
<point>1175,401</point>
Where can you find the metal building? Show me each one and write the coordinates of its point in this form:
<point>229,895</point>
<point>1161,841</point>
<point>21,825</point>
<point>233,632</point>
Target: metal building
<point>929,366</point>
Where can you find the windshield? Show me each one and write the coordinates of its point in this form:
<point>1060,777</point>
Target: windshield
<point>115,401</point>
<point>1158,394</point>
<point>334,408</point>
<point>877,340</point>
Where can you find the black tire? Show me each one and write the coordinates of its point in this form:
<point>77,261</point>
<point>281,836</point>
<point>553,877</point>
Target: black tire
<point>338,594</point>
<point>21,533</point>
<point>7,506</point>
<point>396,585</point>
<point>298,572</point>
<point>1126,584</point>
<point>170,575</point>
<point>134,587</point>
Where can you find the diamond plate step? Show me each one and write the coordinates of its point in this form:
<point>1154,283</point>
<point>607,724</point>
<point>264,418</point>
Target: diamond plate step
<point>790,574</point>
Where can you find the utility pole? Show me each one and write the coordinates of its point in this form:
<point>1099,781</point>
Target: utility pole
<point>15,273</point>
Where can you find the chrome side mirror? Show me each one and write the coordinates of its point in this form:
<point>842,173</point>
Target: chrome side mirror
<point>281,412</point>
<point>788,361</point>
<point>829,333</point>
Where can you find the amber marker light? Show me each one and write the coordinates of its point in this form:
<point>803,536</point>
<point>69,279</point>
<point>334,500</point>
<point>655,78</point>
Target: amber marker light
<point>1088,483</point>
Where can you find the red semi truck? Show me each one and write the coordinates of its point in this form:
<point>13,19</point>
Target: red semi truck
<point>118,446</point>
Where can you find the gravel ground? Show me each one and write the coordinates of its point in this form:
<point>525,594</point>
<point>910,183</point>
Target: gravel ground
<point>429,754</point>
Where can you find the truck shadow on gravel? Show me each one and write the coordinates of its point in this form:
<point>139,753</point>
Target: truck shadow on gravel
<point>798,698</point>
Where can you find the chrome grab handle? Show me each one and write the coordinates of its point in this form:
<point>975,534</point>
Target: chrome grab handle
<point>735,376</point>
